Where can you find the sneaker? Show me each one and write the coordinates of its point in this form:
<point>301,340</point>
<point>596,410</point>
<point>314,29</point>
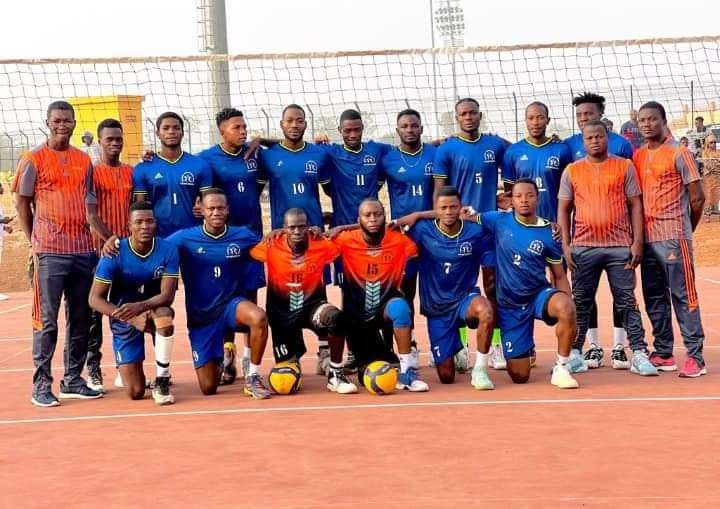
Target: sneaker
<point>562,378</point>
<point>245,366</point>
<point>415,352</point>
<point>641,365</point>
<point>480,379</point>
<point>576,364</point>
<point>462,360</point>
<point>255,387</point>
<point>118,381</point>
<point>339,382</point>
<point>44,399</point>
<point>95,381</point>
<point>351,366</point>
<point>533,357</point>
<point>692,369</point>
<point>594,356</point>
<point>410,381</point>
<point>79,392</point>
<point>497,358</point>
<point>323,362</point>
<point>663,364</point>
<point>431,360</point>
<point>161,391</point>
<point>619,358</point>
<point>229,374</point>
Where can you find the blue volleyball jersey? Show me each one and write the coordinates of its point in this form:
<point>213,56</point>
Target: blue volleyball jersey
<point>294,177</point>
<point>449,265</point>
<point>542,163</point>
<point>135,277</point>
<point>212,269</point>
<point>472,167</point>
<point>617,146</point>
<point>522,253</point>
<point>238,178</point>
<point>172,187</point>
<point>409,179</point>
<point>354,175</point>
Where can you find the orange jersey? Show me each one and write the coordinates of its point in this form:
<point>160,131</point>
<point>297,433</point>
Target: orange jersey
<point>294,282</point>
<point>600,192</point>
<point>372,274</point>
<point>113,195</point>
<point>59,183</point>
<point>664,174</point>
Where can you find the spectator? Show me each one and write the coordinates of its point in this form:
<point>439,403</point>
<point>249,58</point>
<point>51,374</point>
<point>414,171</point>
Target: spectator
<point>90,148</point>
<point>4,228</point>
<point>608,124</point>
<point>711,178</point>
<point>631,131</point>
<point>685,142</point>
<point>696,137</point>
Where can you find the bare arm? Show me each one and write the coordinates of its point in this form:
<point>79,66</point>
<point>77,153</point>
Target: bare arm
<point>565,208</point>
<point>96,223</point>
<point>327,188</point>
<point>98,298</point>
<point>23,205</point>
<point>697,201</point>
<point>560,278</point>
<point>130,310</point>
<point>636,219</point>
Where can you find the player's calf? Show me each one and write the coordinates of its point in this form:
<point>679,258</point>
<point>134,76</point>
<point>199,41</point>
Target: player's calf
<point>162,322</point>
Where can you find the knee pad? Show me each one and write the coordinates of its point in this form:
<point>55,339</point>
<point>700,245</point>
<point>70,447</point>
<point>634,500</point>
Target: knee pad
<point>328,317</point>
<point>398,312</point>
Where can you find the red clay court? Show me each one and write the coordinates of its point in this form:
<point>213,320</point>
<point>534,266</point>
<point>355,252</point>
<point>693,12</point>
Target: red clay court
<point>618,441</point>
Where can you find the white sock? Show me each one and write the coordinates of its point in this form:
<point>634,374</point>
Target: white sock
<point>323,343</point>
<point>619,336</point>
<point>405,361</point>
<point>246,352</point>
<point>163,354</point>
<point>562,360</point>
<point>336,366</point>
<point>254,369</point>
<point>592,336</point>
<point>481,359</point>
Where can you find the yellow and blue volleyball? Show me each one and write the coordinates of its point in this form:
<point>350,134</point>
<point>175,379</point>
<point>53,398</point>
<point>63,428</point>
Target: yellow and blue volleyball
<point>380,378</point>
<point>285,378</point>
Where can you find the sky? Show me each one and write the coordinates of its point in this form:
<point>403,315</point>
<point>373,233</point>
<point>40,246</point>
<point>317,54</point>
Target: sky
<point>77,29</point>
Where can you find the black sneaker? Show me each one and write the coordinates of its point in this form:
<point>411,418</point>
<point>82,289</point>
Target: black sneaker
<point>593,357</point>
<point>44,399</point>
<point>229,373</point>
<point>161,391</point>
<point>619,358</point>
<point>78,392</point>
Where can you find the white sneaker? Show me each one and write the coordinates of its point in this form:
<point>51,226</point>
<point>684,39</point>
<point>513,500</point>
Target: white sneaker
<point>431,360</point>
<point>480,379</point>
<point>497,359</point>
<point>244,367</point>
<point>119,381</point>
<point>95,382</point>
<point>323,362</point>
<point>462,360</point>
<point>562,378</point>
<point>409,381</point>
<point>161,391</point>
<point>414,351</point>
<point>338,382</point>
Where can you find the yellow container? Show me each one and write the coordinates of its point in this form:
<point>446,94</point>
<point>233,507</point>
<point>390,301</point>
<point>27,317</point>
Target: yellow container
<point>90,111</point>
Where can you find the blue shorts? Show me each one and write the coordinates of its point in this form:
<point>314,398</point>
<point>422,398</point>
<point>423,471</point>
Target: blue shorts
<point>206,342</point>
<point>128,343</point>
<point>443,330</point>
<point>518,323</point>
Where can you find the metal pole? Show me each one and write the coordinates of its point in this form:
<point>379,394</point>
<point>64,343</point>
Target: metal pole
<point>12,150</point>
<point>436,122</point>
<point>312,122</point>
<point>632,99</point>
<point>267,122</point>
<point>692,104</point>
<point>517,124</point>
<point>451,24</point>
<point>407,103</point>
<point>27,140</point>
<point>219,73</point>
<point>188,130</point>
<point>153,131</point>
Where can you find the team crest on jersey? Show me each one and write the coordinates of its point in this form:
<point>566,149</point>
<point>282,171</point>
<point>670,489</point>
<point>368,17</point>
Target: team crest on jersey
<point>536,247</point>
<point>428,168</point>
<point>465,249</point>
<point>387,258</point>
<point>187,179</point>
<point>311,167</point>
<point>251,164</point>
<point>369,160</point>
<point>553,163</point>
<point>233,251</point>
<point>489,156</point>
<point>159,271</point>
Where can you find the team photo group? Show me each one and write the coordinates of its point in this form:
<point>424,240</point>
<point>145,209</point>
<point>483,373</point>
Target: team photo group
<point>490,235</point>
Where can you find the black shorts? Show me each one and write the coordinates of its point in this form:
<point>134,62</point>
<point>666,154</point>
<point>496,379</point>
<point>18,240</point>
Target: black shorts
<point>287,337</point>
<point>371,340</point>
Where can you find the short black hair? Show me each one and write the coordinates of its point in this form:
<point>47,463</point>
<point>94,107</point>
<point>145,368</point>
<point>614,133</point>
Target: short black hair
<point>109,123</point>
<point>371,200</point>
<point>684,138</point>
<point>294,211</point>
<point>408,111</point>
<point>210,191</point>
<point>526,181</point>
<point>654,105</point>
<point>538,103</point>
<point>60,105</point>
<point>226,114</point>
<point>169,114</point>
<point>140,205</point>
<point>699,117</point>
<point>589,97</point>
<point>467,100</point>
<point>596,123</point>
<point>292,106</point>
<point>448,191</point>
<point>350,115</point>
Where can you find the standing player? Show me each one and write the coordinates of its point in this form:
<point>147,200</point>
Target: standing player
<point>673,201</point>
<point>235,172</point>
<point>108,212</point>
<point>374,262</point>
<point>172,181</point>
<point>296,298</point>
<point>451,252</point>
<point>212,260</point>
<point>590,107</point>
<point>603,193</point>
<point>524,246</point>
<point>54,183</point>
<point>470,162</point>
<point>136,289</point>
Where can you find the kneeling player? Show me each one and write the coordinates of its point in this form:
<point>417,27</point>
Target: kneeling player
<point>212,258</point>
<point>141,282</point>
<point>374,259</point>
<point>296,298</point>
<point>524,246</point>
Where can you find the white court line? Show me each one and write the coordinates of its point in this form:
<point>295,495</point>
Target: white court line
<point>330,408</point>
<point>710,280</point>
<point>21,306</point>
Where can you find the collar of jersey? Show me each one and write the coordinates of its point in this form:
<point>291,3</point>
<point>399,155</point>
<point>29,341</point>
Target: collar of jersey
<point>527,140</point>
<point>182,153</point>
<point>141,255</point>
<point>214,237</point>
<point>418,151</point>
<point>456,235</point>
<point>542,222</point>
<point>348,149</point>
<point>293,149</point>
<point>467,140</point>
<point>230,153</point>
